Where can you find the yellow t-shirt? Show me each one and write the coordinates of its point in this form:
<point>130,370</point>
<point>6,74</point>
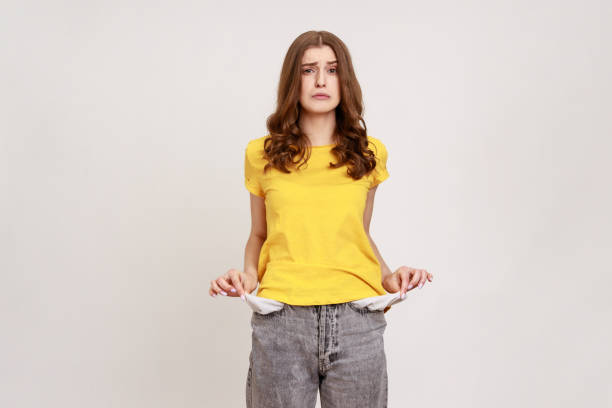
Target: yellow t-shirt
<point>317,251</point>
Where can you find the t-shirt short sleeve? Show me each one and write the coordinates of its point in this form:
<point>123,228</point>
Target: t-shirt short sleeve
<point>252,174</point>
<point>380,173</point>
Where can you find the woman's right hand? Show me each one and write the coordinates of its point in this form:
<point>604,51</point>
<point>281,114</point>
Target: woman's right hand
<point>233,283</point>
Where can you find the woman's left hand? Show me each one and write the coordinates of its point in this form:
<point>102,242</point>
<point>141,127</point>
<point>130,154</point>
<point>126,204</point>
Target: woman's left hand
<point>405,279</point>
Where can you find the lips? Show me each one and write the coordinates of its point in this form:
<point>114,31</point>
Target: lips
<point>320,95</point>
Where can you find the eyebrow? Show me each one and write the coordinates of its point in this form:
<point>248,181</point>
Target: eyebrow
<point>314,63</point>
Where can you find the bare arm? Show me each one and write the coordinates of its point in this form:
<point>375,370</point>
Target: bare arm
<point>257,236</point>
<point>404,278</point>
<point>385,271</point>
<point>367,217</point>
<point>234,282</point>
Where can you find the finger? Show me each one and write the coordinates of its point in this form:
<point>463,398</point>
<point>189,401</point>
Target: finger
<point>423,278</point>
<point>415,278</point>
<point>216,288</point>
<point>225,286</point>
<point>235,279</point>
<point>429,276</point>
<point>405,282</point>
<point>403,277</point>
<point>419,281</point>
<point>211,292</point>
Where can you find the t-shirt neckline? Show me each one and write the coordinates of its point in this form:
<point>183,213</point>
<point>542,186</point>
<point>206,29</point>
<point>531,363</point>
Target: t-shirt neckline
<point>323,146</point>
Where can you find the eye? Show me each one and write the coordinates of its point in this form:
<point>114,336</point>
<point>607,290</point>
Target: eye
<point>334,69</point>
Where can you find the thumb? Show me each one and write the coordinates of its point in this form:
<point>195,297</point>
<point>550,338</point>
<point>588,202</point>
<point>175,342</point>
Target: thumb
<point>393,282</point>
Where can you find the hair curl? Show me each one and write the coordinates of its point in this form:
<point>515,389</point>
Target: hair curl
<point>287,142</point>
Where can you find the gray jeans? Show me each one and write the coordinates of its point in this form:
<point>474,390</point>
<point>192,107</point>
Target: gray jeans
<point>336,350</point>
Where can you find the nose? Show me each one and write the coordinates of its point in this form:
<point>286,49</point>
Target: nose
<point>321,79</point>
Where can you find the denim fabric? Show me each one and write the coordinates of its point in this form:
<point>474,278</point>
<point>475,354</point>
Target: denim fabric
<point>336,350</point>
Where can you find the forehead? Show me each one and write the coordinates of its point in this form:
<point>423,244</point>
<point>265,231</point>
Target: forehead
<point>319,54</point>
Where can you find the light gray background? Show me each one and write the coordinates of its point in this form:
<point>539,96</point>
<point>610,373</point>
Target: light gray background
<point>122,145</point>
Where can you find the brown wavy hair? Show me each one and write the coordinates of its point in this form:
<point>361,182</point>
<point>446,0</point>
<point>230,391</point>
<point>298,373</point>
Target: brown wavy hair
<point>287,142</point>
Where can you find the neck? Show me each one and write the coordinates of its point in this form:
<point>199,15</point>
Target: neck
<point>318,127</point>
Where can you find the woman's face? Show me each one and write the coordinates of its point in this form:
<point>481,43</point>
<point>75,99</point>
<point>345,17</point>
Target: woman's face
<point>318,72</point>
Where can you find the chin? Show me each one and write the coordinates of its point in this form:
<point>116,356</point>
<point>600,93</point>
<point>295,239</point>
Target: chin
<point>321,108</point>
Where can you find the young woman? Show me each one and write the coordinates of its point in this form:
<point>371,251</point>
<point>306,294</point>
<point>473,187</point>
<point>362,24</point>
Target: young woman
<point>312,182</point>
